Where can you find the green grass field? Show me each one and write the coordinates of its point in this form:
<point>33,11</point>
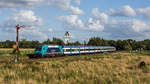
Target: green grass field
<point>106,68</point>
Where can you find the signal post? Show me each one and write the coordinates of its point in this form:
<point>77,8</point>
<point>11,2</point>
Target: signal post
<point>17,41</point>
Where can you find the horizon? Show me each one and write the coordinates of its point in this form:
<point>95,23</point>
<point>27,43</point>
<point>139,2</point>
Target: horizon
<point>72,41</point>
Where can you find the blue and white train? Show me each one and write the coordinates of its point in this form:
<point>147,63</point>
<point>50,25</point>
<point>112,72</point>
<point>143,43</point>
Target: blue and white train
<point>57,50</point>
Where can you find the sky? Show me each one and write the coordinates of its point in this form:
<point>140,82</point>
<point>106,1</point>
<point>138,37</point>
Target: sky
<point>43,19</point>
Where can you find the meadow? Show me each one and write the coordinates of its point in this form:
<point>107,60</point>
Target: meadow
<point>106,68</point>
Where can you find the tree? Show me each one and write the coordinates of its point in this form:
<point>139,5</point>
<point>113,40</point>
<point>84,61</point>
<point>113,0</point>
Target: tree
<point>96,41</point>
<point>35,43</point>
<point>127,46</point>
<point>146,44</point>
<point>112,43</point>
<point>84,43</point>
<point>57,41</point>
<point>119,45</point>
<point>77,43</point>
<point>47,42</point>
<point>24,43</point>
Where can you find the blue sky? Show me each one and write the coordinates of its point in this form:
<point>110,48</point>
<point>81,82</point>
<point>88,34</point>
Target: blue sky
<point>43,19</point>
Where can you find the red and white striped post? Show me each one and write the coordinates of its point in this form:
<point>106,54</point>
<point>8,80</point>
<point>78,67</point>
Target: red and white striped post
<point>17,41</point>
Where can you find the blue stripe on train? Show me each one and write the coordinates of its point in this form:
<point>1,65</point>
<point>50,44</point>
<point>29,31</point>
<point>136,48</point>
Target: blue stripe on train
<point>60,48</point>
<point>79,50</point>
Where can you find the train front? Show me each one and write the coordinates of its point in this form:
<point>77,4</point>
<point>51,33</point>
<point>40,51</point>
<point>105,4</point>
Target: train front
<point>37,52</point>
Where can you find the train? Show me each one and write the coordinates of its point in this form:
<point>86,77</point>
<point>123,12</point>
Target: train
<point>58,50</point>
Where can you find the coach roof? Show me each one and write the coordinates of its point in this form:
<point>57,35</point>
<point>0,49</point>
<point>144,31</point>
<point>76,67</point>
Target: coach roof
<point>88,47</point>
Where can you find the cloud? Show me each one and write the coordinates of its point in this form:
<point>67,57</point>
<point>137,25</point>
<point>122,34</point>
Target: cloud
<point>102,16</point>
<point>50,30</point>
<point>73,21</point>
<point>66,5</point>
<point>145,12</point>
<point>61,4</point>
<point>27,18</point>
<point>139,26</point>
<point>24,17</point>
<point>127,29</point>
<point>76,10</point>
<point>94,25</point>
<point>117,29</point>
<point>33,34</point>
<point>18,3</point>
<point>125,11</point>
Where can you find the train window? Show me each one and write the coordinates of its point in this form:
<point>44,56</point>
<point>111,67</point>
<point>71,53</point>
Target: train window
<point>66,50</point>
<point>74,50</point>
<point>81,49</point>
<point>86,49</point>
<point>92,49</point>
<point>48,50</point>
<point>53,50</point>
<point>98,49</point>
<point>38,49</point>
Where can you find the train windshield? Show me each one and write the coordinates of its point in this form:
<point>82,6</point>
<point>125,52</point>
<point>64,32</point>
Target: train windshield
<point>53,50</point>
<point>38,49</point>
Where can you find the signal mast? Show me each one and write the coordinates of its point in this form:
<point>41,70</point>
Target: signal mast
<point>17,41</point>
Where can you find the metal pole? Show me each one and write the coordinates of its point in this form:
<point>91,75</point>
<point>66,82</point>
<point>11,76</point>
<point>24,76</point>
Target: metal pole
<point>17,42</point>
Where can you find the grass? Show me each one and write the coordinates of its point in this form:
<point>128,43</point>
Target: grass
<point>106,68</point>
<point>6,54</point>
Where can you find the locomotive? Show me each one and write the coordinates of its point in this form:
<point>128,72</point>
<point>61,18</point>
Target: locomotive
<point>58,50</point>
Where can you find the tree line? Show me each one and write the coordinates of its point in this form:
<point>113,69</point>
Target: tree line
<point>128,44</point>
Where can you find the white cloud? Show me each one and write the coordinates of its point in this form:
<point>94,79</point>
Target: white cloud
<point>76,10</point>
<point>27,18</point>
<point>145,12</point>
<point>66,5</point>
<point>62,4</point>
<point>50,30</point>
<point>102,16</point>
<point>127,29</point>
<point>94,25</point>
<point>116,29</point>
<point>18,3</point>
<point>73,21</point>
<point>140,26</point>
<point>95,12</point>
<point>34,34</point>
<point>125,11</point>
<point>122,28</point>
